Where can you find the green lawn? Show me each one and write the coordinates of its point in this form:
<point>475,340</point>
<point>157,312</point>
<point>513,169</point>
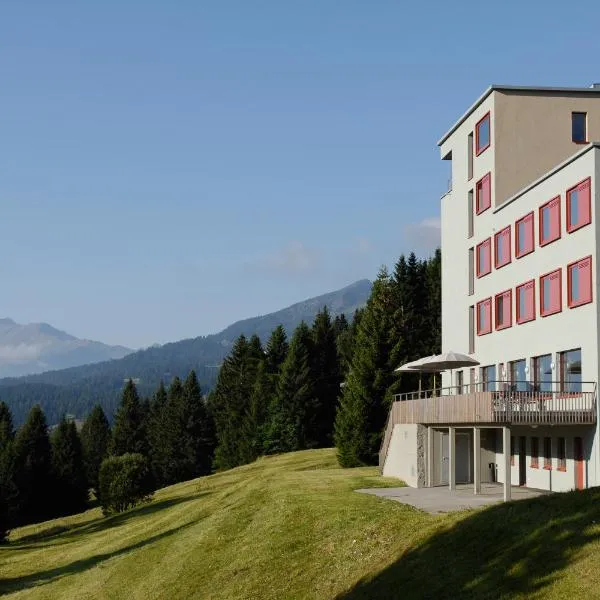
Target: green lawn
<point>292,527</point>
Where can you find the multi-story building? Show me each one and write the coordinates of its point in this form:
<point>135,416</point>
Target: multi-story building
<point>520,234</point>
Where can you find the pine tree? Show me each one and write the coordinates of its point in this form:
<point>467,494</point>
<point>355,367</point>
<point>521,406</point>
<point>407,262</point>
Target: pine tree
<point>95,439</point>
<point>254,423</point>
<point>276,350</point>
<point>434,303</point>
<point>33,468</point>
<point>129,431</point>
<point>325,372</point>
<point>157,436</point>
<point>345,343</point>
<point>7,430</point>
<point>363,407</point>
<point>8,487</point>
<point>70,490</point>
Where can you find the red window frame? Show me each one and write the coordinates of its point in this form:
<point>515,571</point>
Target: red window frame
<point>519,318</point>
<point>581,302</point>
<point>508,259</point>
<point>488,329</point>
<point>480,150</point>
<point>586,182</point>
<point>507,295</point>
<point>478,186</point>
<point>479,271</point>
<point>517,239</point>
<point>535,453</point>
<point>548,453</point>
<point>541,240</point>
<point>546,313</point>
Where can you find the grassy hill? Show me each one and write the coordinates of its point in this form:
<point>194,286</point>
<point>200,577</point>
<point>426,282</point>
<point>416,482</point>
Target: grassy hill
<point>292,527</point>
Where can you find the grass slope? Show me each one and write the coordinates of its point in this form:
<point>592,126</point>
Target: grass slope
<point>292,527</point>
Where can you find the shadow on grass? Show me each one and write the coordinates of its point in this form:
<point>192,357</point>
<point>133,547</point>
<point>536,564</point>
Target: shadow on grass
<point>500,552</point>
<point>8,584</point>
<point>63,534</point>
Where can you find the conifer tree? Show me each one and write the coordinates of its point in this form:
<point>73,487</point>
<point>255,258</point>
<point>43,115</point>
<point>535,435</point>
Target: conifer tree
<point>33,474</point>
<point>254,423</point>
<point>129,431</point>
<point>276,350</point>
<point>8,488</point>
<point>95,439</point>
<point>345,343</point>
<point>363,408</point>
<point>158,439</point>
<point>70,489</point>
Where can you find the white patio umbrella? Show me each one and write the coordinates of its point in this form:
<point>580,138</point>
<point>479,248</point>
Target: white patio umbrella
<point>418,366</point>
<point>448,361</point>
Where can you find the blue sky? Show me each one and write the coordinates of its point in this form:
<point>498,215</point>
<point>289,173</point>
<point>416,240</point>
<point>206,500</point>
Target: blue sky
<point>167,168</point>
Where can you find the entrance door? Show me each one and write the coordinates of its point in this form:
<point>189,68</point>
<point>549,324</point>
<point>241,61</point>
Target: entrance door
<point>463,458</point>
<point>522,460</point>
<point>578,456</point>
<point>445,459</point>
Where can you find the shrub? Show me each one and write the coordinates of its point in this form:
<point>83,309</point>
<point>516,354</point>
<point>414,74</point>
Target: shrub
<point>124,481</point>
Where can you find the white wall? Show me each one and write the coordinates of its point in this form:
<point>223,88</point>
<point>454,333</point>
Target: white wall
<point>401,460</point>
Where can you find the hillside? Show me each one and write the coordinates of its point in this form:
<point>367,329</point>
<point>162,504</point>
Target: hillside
<point>291,526</point>
<point>76,390</point>
<point>39,347</point>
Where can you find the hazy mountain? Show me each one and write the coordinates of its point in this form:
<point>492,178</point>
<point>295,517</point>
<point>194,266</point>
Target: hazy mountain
<point>39,347</point>
<point>76,390</point>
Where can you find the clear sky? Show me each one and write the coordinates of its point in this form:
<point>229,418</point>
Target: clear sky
<point>167,168</point>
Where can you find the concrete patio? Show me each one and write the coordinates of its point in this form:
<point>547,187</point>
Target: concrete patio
<point>440,499</point>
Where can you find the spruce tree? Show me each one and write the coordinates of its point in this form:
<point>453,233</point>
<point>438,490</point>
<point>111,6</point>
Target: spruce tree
<point>129,431</point>
<point>325,371</point>
<point>8,487</point>
<point>276,350</point>
<point>95,439</point>
<point>33,473</point>
<point>345,343</point>
<point>7,430</point>
<point>158,440</point>
<point>364,404</point>
<point>254,422</point>
<point>70,490</point>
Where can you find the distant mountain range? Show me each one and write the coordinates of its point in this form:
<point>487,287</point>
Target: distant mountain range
<point>75,390</point>
<point>39,347</point>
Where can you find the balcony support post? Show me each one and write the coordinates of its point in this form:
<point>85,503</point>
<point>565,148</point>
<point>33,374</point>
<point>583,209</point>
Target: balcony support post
<point>476,460</point>
<point>506,457</point>
<point>452,458</point>
<point>429,462</point>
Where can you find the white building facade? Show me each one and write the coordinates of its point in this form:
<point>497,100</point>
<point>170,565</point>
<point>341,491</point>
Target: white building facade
<point>519,295</point>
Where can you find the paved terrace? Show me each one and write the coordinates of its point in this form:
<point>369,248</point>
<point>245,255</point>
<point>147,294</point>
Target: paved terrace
<point>440,499</point>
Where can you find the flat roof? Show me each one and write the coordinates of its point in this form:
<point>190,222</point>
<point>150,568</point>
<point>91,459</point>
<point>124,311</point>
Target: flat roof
<point>516,88</point>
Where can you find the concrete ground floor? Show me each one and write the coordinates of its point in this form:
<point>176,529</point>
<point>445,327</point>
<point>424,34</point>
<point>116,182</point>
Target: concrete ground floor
<point>440,499</point>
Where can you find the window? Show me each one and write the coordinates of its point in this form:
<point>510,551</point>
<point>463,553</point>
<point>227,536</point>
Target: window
<point>535,452</point>
<point>470,216</point>
<point>579,207</point>
<point>484,317</point>
<point>488,378</point>
<point>512,450</point>
<point>524,236</point>
<point>550,293</point>
<point>547,453</point>
<point>503,310</point>
<point>570,370</point>
<point>518,376</point>
<point>471,271</point>
<point>484,258</point>
<point>502,247</point>
<point>579,282</point>
<point>470,156</point>
<point>482,135</point>
<point>550,221</point>
<point>471,329</point>
<point>525,302</point>
<point>460,382</point>
<point>542,373</point>
<point>483,193</point>
<point>561,454</point>
<point>579,127</point>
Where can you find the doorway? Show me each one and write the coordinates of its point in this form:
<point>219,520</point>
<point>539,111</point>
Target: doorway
<point>522,460</point>
<point>445,459</point>
<point>579,463</point>
<point>463,457</point>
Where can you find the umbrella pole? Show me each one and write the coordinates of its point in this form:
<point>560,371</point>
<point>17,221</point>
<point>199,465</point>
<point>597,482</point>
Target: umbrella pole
<point>419,384</point>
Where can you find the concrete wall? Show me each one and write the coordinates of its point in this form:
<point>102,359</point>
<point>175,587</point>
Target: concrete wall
<point>405,457</point>
<point>532,134</point>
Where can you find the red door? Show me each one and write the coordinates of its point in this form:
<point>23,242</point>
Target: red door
<point>578,456</point>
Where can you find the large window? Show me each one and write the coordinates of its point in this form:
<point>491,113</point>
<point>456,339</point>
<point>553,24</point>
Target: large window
<point>503,309</point>
<point>518,375</point>
<point>524,242</point>
<point>483,193</point>
<point>542,373</point>
<point>535,452</point>
<point>570,370</point>
<point>482,135</point>
<point>488,378</point>
<point>547,453</point>
<point>550,293</point>
<point>561,454</point>
<point>579,206</point>
<point>484,258</point>
<point>525,302</point>
<point>579,282</point>
<point>579,127</point>
<point>550,221</point>
<point>484,316</point>
<point>502,247</point>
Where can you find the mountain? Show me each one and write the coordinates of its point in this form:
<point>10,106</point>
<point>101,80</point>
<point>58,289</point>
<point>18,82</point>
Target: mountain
<point>77,389</point>
<point>39,347</point>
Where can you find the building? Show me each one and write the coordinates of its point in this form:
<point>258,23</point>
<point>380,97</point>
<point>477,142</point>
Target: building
<point>519,294</point>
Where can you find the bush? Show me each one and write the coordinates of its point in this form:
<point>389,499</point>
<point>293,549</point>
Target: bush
<point>124,481</point>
